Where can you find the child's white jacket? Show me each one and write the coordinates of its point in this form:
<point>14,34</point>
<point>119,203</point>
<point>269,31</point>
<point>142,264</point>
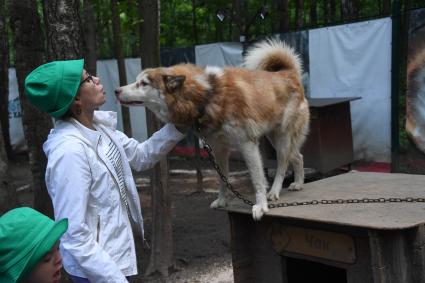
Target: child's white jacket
<point>82,184</point>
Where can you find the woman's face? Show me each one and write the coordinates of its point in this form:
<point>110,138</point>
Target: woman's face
<point>48,269</point>
<point>90,94</point>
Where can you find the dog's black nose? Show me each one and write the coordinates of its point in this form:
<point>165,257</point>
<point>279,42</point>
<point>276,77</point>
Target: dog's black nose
<point>117,91</point>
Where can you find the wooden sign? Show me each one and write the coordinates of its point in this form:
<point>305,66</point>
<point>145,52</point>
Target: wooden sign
<point>314,243</point>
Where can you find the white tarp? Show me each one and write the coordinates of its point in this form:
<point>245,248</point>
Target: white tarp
<point>355,60</point>
<point>16,130</point>
<point>107,71</point>
<point>345,61</point>
<point>219,54</point>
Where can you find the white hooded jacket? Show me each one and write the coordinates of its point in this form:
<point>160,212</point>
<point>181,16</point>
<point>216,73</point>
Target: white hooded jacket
<point>83,186</point>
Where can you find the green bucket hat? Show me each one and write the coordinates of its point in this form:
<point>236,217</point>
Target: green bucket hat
<point>52,87</point>
<point>26,236</point>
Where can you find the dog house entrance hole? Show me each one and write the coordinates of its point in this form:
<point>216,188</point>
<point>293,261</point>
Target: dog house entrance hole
<point>305,271</point>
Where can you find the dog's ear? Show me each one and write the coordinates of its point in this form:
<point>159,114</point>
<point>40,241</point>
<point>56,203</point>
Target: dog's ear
<point>172,83</point>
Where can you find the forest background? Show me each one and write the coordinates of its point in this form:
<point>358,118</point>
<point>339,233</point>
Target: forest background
<point>33,32</point>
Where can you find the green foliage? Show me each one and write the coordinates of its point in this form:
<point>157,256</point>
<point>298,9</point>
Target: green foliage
<point>190,22</point>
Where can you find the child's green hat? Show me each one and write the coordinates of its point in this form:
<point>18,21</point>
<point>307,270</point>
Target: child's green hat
<point>26,236</point>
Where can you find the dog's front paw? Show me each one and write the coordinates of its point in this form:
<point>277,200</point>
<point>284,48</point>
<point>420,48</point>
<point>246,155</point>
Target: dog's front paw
<point>295,187</point>
<point>258,211</point>
<point>220,202</point>
<point>272,195</point>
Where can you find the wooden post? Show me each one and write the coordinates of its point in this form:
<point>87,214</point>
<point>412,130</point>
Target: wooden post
<point>162,253</point>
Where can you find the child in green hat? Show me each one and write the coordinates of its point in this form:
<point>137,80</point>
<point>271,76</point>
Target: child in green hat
<point>29,244</point>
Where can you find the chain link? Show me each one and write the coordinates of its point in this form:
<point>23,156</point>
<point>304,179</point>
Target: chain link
<point>208,148</point>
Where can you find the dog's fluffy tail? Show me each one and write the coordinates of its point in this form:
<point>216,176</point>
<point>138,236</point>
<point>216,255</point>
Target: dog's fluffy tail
<point>272,55</point>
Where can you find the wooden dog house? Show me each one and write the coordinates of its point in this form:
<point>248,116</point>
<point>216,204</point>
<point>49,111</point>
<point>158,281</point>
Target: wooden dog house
<point>329,144</point>
<point>346,242</point>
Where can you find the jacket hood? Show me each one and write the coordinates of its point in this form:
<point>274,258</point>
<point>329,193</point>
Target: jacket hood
<point>66,130</point>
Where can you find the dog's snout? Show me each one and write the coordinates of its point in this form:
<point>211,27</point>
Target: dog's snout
<point>117,91</point>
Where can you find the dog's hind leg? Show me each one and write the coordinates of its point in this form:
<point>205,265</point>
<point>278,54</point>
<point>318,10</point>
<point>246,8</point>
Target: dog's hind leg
<point>281,143</point>
<point>298,165</point>
<point>252,156</point>
<point>221,154</point>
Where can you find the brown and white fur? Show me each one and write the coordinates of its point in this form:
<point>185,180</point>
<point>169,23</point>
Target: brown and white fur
<point>235,107</point>
<point>415,100</point>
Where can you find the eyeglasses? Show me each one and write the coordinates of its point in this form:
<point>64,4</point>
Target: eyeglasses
<point>88,79</point>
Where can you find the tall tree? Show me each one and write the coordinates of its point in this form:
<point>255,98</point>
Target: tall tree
<point>345,10</point>
<point>283,15</point>
<point>238,14</point>
<point>313,12</point>
<point>134,28</point>
<point>8,197</point>
<point>28,41</point>
<point>326,11</point>
<point>116,29</point>
<point>162,252</point>
<point>332,10</point>
<point>4,79</point>
<point>298,14</point>
<point>89,32</point>
<point>354,9</point>
<point>62,21</point>
<point>386,6</point>
<point>194,25</point>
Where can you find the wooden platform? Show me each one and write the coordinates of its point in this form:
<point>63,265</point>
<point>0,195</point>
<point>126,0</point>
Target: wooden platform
<point>353,243</point>
<point>382,216</point>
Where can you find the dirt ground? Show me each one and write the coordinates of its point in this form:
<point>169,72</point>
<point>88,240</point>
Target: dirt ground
<point>201,235</point>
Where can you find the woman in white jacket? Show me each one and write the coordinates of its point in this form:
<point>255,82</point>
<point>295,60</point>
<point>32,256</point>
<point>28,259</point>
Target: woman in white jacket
<point>89,175</point>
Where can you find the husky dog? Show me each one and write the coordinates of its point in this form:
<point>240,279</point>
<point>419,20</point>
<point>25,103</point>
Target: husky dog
<point>235,107</point>
<point>415,100</point>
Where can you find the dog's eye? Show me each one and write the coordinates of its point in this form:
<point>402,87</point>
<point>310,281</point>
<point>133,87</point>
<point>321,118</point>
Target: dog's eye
<point>143,83</point>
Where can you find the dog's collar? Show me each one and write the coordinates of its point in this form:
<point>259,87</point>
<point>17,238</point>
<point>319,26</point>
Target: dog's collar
<point>202,119</point>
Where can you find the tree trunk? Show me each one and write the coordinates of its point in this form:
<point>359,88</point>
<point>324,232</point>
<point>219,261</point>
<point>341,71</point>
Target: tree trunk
<point>199,177</point>
<point>386,7</point>
<point>62,20</point>
<point>332,10</point>
<point>238,19</point>
<point>29,48</point>
<point>354,9</point>
<point>298,14</point>
<point>89,32</point>
<point>326,11</point>
<point>231,35</point>
<point>194,25</point>
<point>345,10</point>
<point>283,15</point>
<point>4,80</point>
<point>313,12</point>
<point>162,253</point>
<point>135,28</point>
<point>8,199</point>
<point>116,29</point>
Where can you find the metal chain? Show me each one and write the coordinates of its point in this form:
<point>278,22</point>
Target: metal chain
<point>208,148</point>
